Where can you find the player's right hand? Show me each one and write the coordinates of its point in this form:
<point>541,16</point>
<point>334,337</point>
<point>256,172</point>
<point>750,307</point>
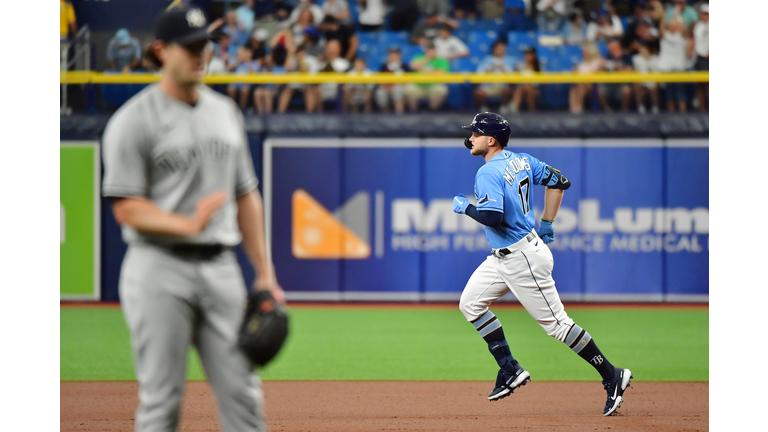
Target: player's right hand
<point>206,207</point>
<point>546,232</point>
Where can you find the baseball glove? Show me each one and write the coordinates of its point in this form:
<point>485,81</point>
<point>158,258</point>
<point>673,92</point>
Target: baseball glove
<point>264,328</point>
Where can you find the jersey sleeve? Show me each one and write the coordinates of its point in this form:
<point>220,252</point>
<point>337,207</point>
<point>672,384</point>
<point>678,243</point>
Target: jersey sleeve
<point>126,158</point>
<point>245,180</point>
<point>489,192</point>
<point>537,169</point>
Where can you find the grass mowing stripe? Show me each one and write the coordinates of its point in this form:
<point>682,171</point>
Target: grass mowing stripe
<point>421,344</point>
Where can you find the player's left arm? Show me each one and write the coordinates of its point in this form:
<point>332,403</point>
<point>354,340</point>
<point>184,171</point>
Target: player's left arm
<point>556,184</point>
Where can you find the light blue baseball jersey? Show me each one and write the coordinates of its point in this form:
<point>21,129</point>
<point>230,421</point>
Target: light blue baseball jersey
<point>504,185</point>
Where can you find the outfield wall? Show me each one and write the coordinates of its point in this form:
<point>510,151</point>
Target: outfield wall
<point>371,219</point>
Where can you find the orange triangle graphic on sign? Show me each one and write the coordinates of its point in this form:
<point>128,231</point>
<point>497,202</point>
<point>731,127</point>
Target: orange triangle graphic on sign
<point>318,234</point>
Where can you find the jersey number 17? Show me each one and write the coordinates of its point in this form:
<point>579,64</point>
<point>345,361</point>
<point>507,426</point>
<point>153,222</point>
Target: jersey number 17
<point>524,190</point>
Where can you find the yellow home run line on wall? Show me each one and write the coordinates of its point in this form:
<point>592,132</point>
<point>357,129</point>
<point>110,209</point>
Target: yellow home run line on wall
<point>389,78</point>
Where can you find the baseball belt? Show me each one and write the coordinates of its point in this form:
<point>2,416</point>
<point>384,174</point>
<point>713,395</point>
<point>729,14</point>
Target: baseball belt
<point>501,253</point>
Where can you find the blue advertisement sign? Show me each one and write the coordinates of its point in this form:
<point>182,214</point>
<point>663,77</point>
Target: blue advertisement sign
<point>368,219</point>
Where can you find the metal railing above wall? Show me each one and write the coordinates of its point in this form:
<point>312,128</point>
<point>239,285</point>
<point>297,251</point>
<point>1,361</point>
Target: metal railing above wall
<point>81,59</point>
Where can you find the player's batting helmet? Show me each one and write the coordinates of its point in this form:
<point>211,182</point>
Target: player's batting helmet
<point>491,124</point>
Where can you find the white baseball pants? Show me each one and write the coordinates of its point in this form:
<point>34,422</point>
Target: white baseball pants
<point>527,272</point>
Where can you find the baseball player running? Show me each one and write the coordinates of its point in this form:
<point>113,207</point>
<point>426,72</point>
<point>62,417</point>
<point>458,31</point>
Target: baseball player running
<point>520,261</point>
<point>178,168</point>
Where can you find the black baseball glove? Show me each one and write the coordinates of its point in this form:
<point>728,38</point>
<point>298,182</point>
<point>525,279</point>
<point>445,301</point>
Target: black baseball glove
<point>264,328</point>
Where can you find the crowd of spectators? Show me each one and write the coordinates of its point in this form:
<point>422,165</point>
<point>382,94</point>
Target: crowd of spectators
<point>282,36</point>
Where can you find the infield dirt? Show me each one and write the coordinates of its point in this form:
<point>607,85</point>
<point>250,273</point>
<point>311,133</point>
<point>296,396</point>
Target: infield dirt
<point>409,406</point>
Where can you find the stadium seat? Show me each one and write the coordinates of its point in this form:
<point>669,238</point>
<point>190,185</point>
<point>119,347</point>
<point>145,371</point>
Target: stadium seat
<point>389,39</point>
<point>480,42</point>
<point>466,25</point>
<point>368,38</point>
<point>410,51</point>
<point>455,98</point>
<point>519,41</point>
<point>603,48</point>
<point>466,64</point>
<point>571,53</point>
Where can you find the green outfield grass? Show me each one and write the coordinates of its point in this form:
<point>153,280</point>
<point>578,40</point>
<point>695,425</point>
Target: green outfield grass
<point>421,344</point>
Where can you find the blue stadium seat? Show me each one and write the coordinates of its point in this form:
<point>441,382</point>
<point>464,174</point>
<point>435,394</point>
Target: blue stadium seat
<point>455,98</point>
<point>389,38</point>
<point>466,64</point>
<point>410,51</point>
<point>369,38</point>
<point>518,41</point>
<point>115,95</point>
<point>480,25</point>
<point>480,42</point>
<point>571,54</point>
<point>603,47</point>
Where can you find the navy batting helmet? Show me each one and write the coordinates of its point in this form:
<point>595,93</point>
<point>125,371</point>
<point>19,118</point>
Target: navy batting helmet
<point>491,124</point>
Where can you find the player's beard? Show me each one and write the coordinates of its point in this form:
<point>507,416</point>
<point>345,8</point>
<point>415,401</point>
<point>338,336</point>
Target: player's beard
<point>478,150</point>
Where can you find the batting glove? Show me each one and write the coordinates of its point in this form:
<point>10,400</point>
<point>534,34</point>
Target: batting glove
<point>460,204</point>
<point>546,232</point>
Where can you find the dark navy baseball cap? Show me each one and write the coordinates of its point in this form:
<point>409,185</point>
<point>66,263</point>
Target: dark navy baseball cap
<point>182,25</point>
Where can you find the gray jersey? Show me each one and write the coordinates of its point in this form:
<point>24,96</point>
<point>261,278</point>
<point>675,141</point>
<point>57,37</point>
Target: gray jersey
<point>160,148</point>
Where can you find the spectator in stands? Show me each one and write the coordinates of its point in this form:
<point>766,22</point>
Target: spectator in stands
<point>258,43</point>
<point>245,15</point>
<point>644,35</point>
<point>332,62</point>
<point>242,64</point>
<point>404,15</point>
<point>214,64</point>
<point>264,96</point>
<point>332,29</point>
<point>441,7</point>
<point>449,46</point>
<point>575,31</point>
<point>551,15</point>
<point>591,62</point>
<point>371,15</point>
<point>357,95</point>
<point>497,62</point>
<point>434,93</point>
<point>395,92</point>
<point>123,52</point>
<point>646,60</point>
<point>618,61</point>
<point>68,30</point>
<point>238,35</point>
<point>338,9</point>
<point>427,30</point>
<point>317,13</point>
<point>701,53</point>
<point>296,31</point>
<point>673,58</point>
<point>300,61</point>
<point>313,45</point>
<point>680,10</point>
<point>491,9</point>
<point>528,91</point>
<point>465,9</point>
<point>641,26</point>
<point>604,27</point>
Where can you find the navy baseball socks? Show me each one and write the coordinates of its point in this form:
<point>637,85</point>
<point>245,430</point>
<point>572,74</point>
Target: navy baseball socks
<point>511,375</point>
<point>615,380</point>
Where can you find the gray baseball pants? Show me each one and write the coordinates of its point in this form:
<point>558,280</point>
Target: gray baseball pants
<point>170,302</point>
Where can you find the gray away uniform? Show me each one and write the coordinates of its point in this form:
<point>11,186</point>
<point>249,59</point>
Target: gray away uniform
<point>175,290</point>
